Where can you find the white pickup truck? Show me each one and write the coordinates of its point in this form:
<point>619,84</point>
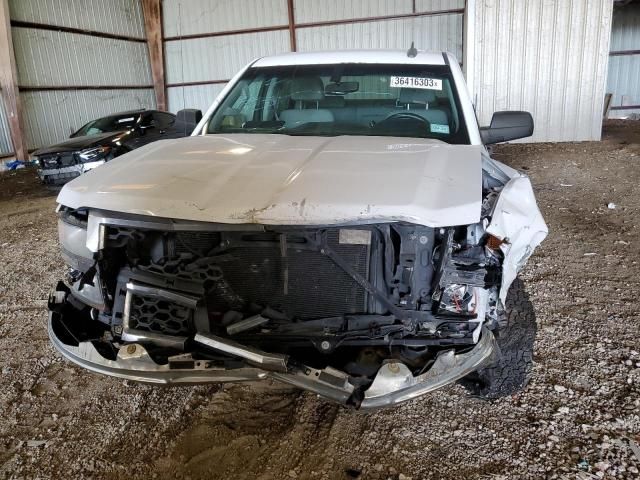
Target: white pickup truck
<point>334,222</point>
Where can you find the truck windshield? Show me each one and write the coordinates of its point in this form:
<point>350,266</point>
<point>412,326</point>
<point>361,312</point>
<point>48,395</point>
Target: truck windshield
<point>345,99</point>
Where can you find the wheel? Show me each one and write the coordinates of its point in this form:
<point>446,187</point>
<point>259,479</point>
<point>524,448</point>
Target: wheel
<point>515,334</point>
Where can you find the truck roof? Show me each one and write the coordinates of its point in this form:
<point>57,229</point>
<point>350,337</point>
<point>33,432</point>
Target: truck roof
<point>352,56</point>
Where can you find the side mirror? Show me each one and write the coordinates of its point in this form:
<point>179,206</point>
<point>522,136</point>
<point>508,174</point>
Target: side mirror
<point>189,117</point>
<point>507,126</point>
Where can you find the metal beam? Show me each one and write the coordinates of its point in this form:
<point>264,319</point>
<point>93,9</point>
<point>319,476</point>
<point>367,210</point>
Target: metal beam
<point>226,33</point>
<point>9,84</point>
<point>79,31</point>
<point>398,16</point>
<point>619,53</point>
<point>46,88</point>
<point>152,11</point>
<point>469,46</point>
<point>193,84</point>
<point>625,107</point>
<point>292,26</point>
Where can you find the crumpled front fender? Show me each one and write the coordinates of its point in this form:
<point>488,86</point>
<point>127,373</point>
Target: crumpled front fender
<point>518,222</point>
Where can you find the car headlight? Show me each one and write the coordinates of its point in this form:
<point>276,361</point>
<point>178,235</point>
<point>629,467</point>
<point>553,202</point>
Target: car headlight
<point>83,279</point>
<point>92,154</point>
<point>73,238</point>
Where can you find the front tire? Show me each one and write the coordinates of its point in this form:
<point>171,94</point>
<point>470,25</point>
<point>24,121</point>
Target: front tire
<point>515,335</point>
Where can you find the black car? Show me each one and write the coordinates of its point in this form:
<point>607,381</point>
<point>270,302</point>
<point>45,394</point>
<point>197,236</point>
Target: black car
<point>106,138</point>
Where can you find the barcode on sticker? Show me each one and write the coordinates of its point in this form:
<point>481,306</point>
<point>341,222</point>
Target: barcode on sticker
<point>416,82</point>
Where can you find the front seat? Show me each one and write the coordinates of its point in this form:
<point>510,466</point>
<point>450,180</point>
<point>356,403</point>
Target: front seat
<point>418,100</point>
<point>306,93</point>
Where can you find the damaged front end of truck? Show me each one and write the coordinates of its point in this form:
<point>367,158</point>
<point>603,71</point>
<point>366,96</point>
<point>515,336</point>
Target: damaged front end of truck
<point>364,314</point>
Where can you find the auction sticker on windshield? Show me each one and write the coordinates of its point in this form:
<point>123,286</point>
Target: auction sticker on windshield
<point>416,82</point>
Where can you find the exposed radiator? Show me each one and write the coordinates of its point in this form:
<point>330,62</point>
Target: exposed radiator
<point>304,284</point>
<point>245,272</point>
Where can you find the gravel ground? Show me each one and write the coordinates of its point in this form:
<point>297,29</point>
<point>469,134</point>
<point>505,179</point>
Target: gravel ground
<point>578,418</point>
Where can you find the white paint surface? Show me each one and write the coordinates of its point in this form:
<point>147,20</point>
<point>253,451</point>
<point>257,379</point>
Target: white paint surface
<point>288,180</point>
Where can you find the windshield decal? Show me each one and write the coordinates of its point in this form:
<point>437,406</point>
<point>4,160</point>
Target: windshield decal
<point>439,128</point>
<point>415,82</point>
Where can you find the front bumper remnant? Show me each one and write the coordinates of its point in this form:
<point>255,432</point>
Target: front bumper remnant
<point>392,385</point>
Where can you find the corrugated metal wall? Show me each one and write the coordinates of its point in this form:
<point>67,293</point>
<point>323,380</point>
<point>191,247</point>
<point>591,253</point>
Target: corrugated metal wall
<point>429,33</point>
<point>60,59</point>
<point>309,11</point>
<point>545,56</point>
<point>189,17</point>
<point>624,70</point>
<point>53,115</point>
<point>6,146</point>
<point>52,63</point>
<point>215,58</point>
<point>121,17</point>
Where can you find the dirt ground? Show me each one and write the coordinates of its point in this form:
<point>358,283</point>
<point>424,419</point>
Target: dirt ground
<point>578,418</point>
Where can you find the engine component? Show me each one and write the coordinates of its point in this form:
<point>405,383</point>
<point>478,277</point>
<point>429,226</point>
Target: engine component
<point>459,299</point>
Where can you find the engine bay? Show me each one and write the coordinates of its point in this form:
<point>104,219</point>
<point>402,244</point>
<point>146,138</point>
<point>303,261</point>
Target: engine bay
<point>350,298</point>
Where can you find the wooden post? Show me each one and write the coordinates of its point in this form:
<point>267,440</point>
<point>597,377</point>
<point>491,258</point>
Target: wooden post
<point>9,84</point>
<point>292,26</point>
<point>152,11</point>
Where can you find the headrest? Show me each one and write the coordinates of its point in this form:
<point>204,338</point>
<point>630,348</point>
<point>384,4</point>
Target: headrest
<point>307,89</point>
<point>416,95</point>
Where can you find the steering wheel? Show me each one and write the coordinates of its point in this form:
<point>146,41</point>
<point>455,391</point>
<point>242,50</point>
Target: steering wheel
<point>406,116</point>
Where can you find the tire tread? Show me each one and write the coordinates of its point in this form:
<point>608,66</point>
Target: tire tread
<point>515,336</point>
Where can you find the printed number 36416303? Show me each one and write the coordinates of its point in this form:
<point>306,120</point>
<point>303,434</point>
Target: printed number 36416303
<point>416,82</point>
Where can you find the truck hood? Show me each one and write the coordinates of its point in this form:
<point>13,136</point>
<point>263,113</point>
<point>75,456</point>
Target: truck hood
<point>289,180</point>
